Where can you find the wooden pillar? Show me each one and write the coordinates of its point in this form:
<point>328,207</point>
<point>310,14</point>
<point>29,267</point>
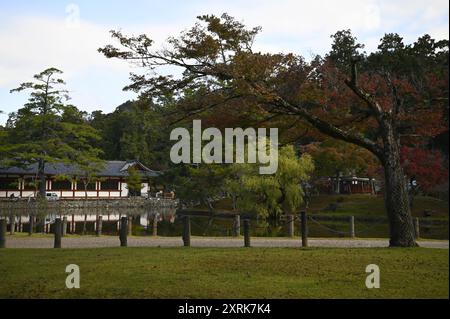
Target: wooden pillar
<point>20,227</point>
<point>130,225</point>
<point>2,233</point>
<point>123,231</point>
<point>237,226</point>
<point>246,233</point>
<point>148,224</point>
<point>304,228</point>
<point>84,225</point>
<point>99,225</point>
<point>12,224</point>
<point>64,226</point>
<point>290,225</point>
<point>187,231</point>
<point>39,228</point>
<point>58,233</point>
<point>31,224</point>
<point>155,225</point>
<point>416,227</point>
<point>352,226</point>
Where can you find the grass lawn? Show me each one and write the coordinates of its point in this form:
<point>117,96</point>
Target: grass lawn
<point>365,205</point>
<point>224,273</point>
<point>369,205</point>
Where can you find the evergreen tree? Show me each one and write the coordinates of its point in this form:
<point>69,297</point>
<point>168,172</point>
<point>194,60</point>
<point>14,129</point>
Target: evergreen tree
<point>46,130</point>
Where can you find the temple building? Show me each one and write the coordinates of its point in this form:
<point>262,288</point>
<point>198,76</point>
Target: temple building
<point>64,181</point>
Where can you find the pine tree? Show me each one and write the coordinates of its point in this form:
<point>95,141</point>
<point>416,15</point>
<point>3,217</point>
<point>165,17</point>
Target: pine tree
<point>46,130</point>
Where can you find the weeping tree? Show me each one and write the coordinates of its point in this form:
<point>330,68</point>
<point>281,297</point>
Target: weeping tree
<point>270,195</point>
<point>366,100</point>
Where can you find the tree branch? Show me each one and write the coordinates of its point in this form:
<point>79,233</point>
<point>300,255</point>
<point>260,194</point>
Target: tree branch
<point>366,97</point>
<point>332,130</point>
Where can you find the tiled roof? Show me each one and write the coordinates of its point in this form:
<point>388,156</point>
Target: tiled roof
<point>112,168</point>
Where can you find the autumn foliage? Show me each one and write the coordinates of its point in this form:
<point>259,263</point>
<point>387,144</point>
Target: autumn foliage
<point>426,166</point>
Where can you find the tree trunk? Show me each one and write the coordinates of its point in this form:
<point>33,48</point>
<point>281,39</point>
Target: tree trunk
<point>396,196</point>
<point>42,179</point>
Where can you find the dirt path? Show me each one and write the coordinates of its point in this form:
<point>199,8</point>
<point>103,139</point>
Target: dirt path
<point>113,241</point>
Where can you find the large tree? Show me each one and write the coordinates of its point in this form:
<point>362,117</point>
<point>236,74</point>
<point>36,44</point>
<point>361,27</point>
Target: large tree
<point>46,130</point>
<point>369,101</point>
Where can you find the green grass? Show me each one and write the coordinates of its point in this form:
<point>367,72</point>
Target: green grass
<point>365,205</point>
<point>369,205</point>
<point>224,273</point>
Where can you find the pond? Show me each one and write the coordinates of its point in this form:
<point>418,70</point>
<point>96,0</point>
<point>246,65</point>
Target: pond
<point>83,220</point>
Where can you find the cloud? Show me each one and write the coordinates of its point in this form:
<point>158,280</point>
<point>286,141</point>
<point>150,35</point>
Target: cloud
<point>31,44</point>
<point>306,26</point>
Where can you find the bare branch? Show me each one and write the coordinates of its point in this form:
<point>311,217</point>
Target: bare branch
<point>366,97</point>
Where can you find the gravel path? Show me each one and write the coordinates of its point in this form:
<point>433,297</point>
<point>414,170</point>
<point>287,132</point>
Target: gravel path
<point>113,241</point>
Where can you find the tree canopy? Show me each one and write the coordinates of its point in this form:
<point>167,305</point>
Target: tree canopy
<point>372,101</point>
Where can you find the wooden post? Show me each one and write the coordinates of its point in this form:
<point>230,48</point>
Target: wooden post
<point>58,233</point>
<point>130,225</point>
<point>2,233</point>
<point>290,224</point>
<point>148,224</point>
<point>155,225</point>
<point>246,233</point>
<point>123,231</point>
<point>12,224</point>
<point>64,226</point>
<point>31,224</point>
<point>41,223</point>
<point>20,224</point>
<point>237,226</point>
<point>36,224</point>
<point>187,231</point>
<point>304,229</point>
<point>73,225</point>
<point>84,225</point>
<point>99,225</point>
<point>416,227</point>
<point>352,226</point>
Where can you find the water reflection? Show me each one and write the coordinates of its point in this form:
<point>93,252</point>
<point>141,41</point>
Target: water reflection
<point>84,220</point>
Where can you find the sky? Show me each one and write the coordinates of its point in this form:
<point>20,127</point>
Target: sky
<point>35,35</point>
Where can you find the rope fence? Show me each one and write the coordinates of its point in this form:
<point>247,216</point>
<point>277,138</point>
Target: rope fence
<point>223,224</point>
